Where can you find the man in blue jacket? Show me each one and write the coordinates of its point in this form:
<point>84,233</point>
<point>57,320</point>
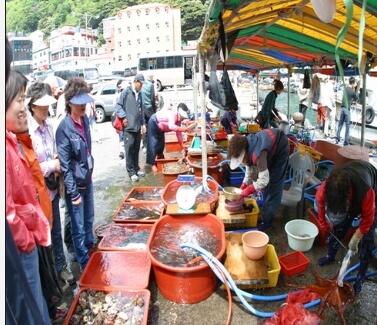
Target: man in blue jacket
<point>130,109</point>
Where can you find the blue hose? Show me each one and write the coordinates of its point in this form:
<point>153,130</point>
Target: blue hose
<point>212,261</point>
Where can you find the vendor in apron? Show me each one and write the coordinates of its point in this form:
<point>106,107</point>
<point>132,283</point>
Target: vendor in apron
<point>168,119</point>
<point>265,155</point>
<point>349,191</point>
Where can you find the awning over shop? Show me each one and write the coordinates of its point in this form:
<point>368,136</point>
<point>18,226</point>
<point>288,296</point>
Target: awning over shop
<point>267,34</point>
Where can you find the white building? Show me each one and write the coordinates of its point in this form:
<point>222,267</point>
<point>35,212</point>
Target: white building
<point>153,27</point>
<point>72,46</point>
<point>104,59</point>
<point>41,52</point>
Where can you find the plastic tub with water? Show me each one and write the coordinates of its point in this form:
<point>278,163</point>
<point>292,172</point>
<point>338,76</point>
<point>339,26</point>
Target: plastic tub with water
<point>301,234</point>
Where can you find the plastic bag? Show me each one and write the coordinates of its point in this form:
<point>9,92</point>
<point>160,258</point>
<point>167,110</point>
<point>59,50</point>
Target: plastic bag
<point>221,93</point>
<point>116,122</point>
<point>307,83</point>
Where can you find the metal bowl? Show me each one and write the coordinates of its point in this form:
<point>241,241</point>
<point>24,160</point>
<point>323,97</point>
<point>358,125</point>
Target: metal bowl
<point>232,193</point>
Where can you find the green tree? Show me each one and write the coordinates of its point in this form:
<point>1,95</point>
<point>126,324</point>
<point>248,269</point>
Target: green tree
<point>46,15</point>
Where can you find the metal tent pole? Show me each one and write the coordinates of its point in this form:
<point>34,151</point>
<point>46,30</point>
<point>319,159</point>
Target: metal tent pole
<point>203,115</point>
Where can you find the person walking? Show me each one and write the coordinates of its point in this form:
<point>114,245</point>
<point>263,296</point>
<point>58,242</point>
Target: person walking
<point>350,191</point>
<point>168,119</point>
<point>43,139</point>
<point>266,156</point>
<point>27,221</point>
<point>303,95</point>
<point>323,95</point>
<point>129,108</point>
<point>345,115</point>
<point>269,115</point>
<point>74,147</point>
<point>149,105</point>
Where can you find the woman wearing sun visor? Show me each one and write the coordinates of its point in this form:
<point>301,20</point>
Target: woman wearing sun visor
<point>349,191</point>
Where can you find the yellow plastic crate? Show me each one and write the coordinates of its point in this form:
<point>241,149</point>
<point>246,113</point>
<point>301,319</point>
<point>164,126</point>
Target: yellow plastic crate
<point>315,154</point>
<point>272,261</point>
<point>251,219</point>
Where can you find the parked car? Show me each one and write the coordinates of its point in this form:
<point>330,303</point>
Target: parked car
<point>104,95</point>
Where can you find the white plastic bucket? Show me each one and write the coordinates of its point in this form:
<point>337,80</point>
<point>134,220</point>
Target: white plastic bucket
<point>301,234</point>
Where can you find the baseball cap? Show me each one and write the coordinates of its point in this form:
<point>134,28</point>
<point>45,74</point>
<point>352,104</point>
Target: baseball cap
<point>81,99</point>
<point>139,77</point>
<point>44,101</point>
<point>236,161</point>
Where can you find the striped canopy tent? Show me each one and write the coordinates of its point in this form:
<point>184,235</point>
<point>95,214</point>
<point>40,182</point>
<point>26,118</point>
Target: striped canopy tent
<point>327,36</point>
<point>267,34</point>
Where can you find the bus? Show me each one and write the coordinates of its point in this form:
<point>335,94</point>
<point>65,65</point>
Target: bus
<point>90,74</point>
<point>169,68</point>
<point>22,52</point>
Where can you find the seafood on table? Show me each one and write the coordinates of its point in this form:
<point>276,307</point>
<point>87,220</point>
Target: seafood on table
<point>165,246</point>
<point>126,236</point>
<point>146,193</point>
<point>138,212</point>
<point>97,307</point>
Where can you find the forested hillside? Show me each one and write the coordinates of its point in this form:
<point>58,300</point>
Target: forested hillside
<point>29,15</point>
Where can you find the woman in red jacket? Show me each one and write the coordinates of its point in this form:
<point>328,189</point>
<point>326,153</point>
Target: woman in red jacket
<point>349,191</point>
<point>28,223</point>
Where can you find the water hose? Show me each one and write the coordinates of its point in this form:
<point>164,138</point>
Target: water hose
<point>215,265</point>
<point>220,271</point>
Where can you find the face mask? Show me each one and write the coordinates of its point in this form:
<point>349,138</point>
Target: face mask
<point>336,218</point>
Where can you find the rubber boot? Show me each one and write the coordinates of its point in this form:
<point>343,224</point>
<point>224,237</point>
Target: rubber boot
<point>330,257</point>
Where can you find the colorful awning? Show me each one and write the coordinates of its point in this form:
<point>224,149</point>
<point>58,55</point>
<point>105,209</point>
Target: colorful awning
<point>267,34</point>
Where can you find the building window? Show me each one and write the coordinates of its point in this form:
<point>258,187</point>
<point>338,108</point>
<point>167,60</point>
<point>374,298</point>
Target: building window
<point>138,41</point>
<point>120,44</point>
<point>167,38</point>
<point>147,26</point>
<point>129,57</point>
<point>119,58</point>
<point>128,14</point>
<point>158,39</point>
<point>166,24</point>
<point>128,28</point>
<point>138,12</point>
<point>119,30</point>
<point>166,9</point>
<point>147,11</point>
<point>157,10</point>
<point>157,25</point>
<point>148,41</point>
<point>138,27</point>
<point>129,42</point>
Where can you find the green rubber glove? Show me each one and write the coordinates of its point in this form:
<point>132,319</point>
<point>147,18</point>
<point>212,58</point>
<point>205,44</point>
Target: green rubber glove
<point>354,243</point>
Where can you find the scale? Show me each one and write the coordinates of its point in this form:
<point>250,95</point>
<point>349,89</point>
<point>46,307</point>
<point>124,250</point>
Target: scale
<point>186,199</point>
<point>186,196</point>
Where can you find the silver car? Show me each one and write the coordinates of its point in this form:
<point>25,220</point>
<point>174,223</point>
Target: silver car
<point>104,95</point>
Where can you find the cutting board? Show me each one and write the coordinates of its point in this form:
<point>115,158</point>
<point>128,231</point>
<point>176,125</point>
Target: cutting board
<point>243,270</point>
<point>226,216</point>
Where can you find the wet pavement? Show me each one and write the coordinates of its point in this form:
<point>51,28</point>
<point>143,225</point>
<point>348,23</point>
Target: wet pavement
<point>111,185</point>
